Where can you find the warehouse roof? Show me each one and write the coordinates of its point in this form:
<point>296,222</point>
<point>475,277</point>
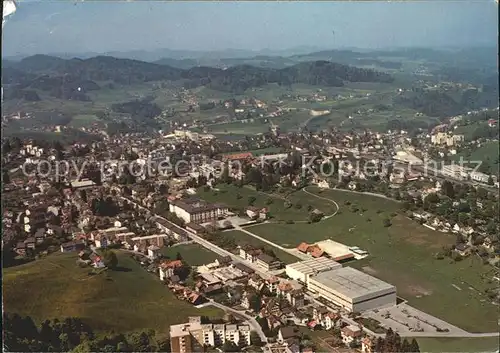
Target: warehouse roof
<point>352,283</point>
<point>312,266</point>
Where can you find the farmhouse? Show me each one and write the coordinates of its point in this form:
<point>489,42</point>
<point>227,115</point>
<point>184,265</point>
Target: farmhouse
<point>352,289</point>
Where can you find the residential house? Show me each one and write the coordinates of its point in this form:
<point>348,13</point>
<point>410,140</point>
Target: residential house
<point>249,253</point>
<point>72,246</point>
<point>272,284</point>
<point>30,243</point>
<point>351,334</point>
<point>20,249</point>
<point>314,250</point>
<point>101,242</point>
<point>462,249</point>
<point>96,261</point>
<point>286,333</point>
<point>256,282</point>
<point>153,252</point>
<point>367,345</point>
<point>243,268</point>
<point>168,268</point>
<point>269,263</point>
<point>256,212</point>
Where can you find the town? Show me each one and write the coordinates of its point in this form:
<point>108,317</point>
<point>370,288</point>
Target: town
<point>277,294</point>
<point>250,177</point>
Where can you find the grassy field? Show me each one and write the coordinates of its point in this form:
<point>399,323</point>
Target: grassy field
<point>228,194</point>
<point>438,345</point>
<point>401,254</point>
<point>487,151</point>
<point>192,254</point>
<point>83,120</point>
<point>243,238</point>
<point>122,300</point>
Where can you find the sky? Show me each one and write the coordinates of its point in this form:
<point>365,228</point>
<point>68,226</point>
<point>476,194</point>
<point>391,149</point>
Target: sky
<point>102,26</point>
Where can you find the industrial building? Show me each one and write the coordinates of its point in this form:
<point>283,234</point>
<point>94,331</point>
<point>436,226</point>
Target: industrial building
<point>352,290</point>
<point>302,270</point>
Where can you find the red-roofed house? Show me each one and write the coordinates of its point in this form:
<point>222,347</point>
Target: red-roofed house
<point>238,156</point>
<point>303,247</point>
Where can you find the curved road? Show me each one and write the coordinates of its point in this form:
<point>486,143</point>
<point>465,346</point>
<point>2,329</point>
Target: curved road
<point>222,252</point>
<point>324,198</point>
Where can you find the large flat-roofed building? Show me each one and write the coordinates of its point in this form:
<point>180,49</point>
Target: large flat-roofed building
<point>352,289</point>
<point>194,210</point>
<point>302,270</point>
<point>195,336</point>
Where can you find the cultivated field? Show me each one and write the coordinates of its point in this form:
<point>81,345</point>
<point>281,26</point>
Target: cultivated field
<point>123,300</point>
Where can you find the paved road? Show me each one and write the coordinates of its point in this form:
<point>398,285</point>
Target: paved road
<point>214,248</point>
<point>251,320</point>
<point>206,244</point>
<point>297,254</point>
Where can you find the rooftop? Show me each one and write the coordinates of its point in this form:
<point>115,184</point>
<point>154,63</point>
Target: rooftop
<point>312,266</point>
<point>351,282</point>
<point>193,205</point>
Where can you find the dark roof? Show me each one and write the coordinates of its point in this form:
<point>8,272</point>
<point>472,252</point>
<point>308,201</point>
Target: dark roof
<point>194,204</point>
<point>266,258</point>
<point>225,259</point>
<point>175,279</point>
<point>195,226</point>
<point>288,332</point>
<point>40,232</point>
<point>242,267</point>
<point>71,243</point>
<point>461,247</point>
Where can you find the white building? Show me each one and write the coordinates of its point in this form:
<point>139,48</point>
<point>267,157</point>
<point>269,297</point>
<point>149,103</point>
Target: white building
<point>153,252</point>
<point>480,177</point>
<point>351,334</point>
<point>302,270</point>
<point>193,336</point>
<point>456,171</point>
<point>352,290</point>
<point>197,211</point>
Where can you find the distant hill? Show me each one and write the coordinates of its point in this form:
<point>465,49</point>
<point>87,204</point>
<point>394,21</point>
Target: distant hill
<point>71,79</point>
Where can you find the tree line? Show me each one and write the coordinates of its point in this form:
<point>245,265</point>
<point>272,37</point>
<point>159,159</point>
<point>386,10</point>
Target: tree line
<point>21,334</point>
